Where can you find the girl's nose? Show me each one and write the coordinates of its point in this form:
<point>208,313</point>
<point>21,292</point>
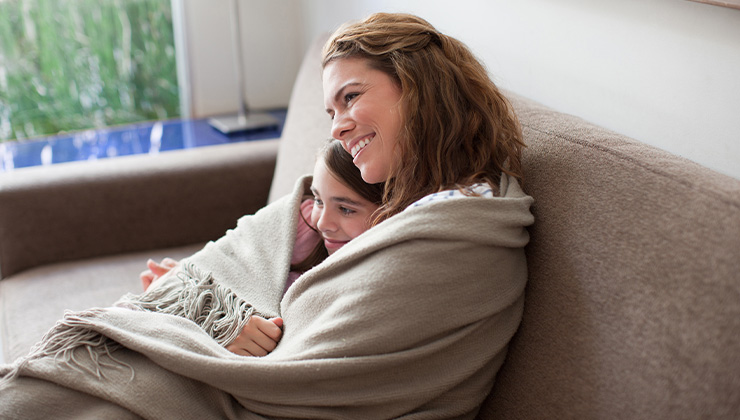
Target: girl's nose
<point>325,223</point>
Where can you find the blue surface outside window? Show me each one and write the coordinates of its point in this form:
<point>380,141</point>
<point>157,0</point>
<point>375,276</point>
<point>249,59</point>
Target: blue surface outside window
<point>142,138</point>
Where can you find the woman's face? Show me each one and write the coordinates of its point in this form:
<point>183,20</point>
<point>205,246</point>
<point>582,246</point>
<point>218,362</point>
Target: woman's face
<point>364,104</point>
<point>339,213</point>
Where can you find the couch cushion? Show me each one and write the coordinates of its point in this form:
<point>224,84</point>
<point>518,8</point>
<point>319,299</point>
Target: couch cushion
<point>30,301</point>
<point>633,302</point>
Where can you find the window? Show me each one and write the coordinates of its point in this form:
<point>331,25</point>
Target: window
<point>68,65</point>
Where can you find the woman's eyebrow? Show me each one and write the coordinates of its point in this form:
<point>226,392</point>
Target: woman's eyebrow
<point>340,92</point>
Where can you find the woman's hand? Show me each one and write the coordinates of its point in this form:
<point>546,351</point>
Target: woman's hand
<point>258,338</point>
<point>156,270</point>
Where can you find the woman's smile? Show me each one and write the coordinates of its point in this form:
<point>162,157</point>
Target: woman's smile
<point>364,104</point>
<point>361,145</point>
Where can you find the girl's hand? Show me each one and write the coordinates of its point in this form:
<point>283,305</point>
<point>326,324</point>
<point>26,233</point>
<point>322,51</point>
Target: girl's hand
<point>258,338</point>
<point>156,270</point>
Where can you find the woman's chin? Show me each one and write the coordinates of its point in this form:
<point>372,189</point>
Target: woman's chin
<point>369,176</point>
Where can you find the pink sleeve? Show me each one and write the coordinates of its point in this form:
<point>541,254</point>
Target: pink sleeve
<point>306,238</point>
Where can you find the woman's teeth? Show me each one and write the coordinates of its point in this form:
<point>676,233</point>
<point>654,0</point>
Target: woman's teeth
<point>359,146</point>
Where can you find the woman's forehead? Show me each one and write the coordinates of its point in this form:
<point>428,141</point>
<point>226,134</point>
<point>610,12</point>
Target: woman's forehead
<point>340,70</point>
<point>344,73</point>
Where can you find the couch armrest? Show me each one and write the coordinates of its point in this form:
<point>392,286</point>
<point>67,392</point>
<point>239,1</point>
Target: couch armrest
<point>88,209</point>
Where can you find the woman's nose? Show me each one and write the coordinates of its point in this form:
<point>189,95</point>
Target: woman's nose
<point>341,126</point>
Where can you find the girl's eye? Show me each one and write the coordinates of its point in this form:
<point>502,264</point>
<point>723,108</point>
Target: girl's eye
<point>345,211</point>
<point>318,201</point>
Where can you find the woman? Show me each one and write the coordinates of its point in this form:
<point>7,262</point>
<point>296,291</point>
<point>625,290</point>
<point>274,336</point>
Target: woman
<point>417,110</point>
<point>410,319</point>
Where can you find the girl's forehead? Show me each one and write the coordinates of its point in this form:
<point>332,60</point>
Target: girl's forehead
<point>331,188</point>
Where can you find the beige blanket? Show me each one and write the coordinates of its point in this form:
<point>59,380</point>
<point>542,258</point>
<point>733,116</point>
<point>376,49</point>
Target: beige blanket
<point>410,319</point>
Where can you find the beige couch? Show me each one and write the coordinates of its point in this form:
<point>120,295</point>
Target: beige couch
<point>632,306</point>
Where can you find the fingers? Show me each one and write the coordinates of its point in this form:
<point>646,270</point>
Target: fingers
<point>160,269</point>
<point>169,263</point>
<point>156,270</point>
<point>247,348</point>
<point>277,321</point>
<point>269,327</point>
<point>263,332</point>
<point>258,338</point>
<point>146,277</point>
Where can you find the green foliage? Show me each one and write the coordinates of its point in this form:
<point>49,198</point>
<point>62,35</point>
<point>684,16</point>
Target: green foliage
<point>69,65</point>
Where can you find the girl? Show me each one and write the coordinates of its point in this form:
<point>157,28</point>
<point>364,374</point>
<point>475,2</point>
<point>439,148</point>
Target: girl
<point>340,209</point>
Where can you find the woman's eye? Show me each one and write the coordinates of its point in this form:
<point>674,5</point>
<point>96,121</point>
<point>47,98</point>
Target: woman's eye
<point>348,97</point>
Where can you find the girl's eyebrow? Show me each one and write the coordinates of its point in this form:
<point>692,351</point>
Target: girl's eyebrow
<point>346,200</point>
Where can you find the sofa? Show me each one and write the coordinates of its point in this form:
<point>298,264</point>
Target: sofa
<point>633,300</point>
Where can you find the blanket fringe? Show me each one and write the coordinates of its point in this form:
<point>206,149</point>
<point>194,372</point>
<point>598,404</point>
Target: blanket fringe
<point>215,308</point>
<point>72,332</point>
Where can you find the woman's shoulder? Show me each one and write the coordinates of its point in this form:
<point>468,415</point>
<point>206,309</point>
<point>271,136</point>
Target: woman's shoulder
<point>480,189</point>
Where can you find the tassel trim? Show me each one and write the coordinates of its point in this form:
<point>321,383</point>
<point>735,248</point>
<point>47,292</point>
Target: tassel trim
<point>74,331</point>
<point>215,308</point>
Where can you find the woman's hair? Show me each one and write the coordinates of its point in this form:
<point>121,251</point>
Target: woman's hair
<point>339,164</point>
<point>459,129</point>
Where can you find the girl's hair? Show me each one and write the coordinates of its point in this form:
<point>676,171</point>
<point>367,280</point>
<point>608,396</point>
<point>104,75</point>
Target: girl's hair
<point>459,129</point>
<point>339,164</point>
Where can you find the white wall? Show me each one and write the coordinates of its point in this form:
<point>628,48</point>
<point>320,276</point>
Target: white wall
<point>665,72</point>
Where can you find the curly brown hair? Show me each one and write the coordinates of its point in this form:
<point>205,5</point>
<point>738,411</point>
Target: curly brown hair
<point>459,129</point>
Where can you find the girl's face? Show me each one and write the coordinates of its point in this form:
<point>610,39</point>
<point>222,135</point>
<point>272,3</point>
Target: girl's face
<point>339,213</point>
<point>364,104</point>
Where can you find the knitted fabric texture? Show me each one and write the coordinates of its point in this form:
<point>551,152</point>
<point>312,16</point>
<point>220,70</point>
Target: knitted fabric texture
<point>413,317</point>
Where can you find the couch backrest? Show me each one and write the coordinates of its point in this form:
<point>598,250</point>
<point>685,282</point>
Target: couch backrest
<point>633,302</point>
<point>307,125</point>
